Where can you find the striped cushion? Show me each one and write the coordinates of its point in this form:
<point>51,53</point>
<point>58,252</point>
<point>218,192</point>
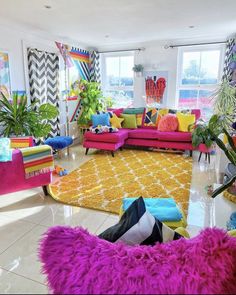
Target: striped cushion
<point>138,227</point>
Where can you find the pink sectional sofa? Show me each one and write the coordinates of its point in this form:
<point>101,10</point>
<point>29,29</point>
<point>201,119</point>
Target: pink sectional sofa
<point>140,137</point>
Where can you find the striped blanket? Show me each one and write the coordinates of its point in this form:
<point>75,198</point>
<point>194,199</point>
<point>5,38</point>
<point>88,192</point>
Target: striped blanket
<point>21,142</point>
<point>37,160</point>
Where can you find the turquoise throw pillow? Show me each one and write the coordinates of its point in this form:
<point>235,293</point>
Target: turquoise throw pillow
<point>101,119</point>
<point>134,111</point>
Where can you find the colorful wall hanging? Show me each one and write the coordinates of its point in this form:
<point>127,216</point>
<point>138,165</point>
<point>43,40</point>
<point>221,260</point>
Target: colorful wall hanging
<point>155,87</point>
<point>5,83</point>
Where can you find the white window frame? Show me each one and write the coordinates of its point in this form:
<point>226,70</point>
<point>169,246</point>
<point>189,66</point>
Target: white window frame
<point>104,74</point>
<point>197,48</point>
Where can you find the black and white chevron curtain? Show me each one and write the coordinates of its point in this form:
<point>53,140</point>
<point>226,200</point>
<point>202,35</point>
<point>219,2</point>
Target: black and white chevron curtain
<point>95,74</point>
<point>227,71</point>
<point>44,82</point>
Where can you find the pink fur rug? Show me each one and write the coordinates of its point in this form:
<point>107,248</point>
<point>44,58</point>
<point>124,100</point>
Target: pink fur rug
<point>76,262</point>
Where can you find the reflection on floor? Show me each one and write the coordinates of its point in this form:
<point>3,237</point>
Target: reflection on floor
<point>25,216</point>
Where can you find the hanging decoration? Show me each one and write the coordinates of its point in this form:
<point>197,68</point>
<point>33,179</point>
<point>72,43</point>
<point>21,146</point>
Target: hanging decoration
<point>81,60</point>
<point>155,85</point>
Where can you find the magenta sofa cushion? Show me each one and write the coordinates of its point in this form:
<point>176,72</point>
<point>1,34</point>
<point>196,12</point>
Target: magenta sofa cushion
<point>174,136</point>
<point>12,176</point>
<point>143,133</point>
<point>121,135</point>
<point>76,262</point>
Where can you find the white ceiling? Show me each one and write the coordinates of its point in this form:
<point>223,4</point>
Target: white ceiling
<point>124,21</point>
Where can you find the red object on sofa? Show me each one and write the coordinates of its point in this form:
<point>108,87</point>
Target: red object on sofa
<point>13,179</point>
<point>140,137</point>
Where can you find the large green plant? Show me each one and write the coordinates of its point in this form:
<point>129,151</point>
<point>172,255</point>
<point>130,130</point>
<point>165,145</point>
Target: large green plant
<point>19,119</point>
<point>91,97</point>
<point>202,134</point>
<point>217,127</point>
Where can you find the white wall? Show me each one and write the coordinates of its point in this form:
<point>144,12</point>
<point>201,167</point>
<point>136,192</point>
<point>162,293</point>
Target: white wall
<point>156,58</point>
<point>15,43</point>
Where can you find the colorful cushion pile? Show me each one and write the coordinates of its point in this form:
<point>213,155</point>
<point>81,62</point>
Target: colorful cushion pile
<point>165,120</point>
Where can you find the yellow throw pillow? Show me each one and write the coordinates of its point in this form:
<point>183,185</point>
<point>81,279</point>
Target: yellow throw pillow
<point>186,122</point>
<point>139,119</point>
<point>115,121</point>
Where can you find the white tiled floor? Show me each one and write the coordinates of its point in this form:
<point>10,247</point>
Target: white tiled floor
<point>25,216</point>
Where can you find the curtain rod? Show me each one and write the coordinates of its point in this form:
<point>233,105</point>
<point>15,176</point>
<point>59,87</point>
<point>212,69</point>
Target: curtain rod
<point>194,44</point>
<point>124,50</point>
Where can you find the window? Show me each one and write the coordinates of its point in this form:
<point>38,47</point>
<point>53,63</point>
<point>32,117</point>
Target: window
<point>117,78</point>
<point>199,72</point>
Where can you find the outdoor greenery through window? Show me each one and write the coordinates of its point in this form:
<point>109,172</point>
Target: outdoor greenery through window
<point>117,78</point>
<point>199,73</point>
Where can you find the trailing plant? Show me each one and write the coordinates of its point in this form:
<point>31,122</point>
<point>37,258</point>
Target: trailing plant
<point>91,96</point>
<point>138,68</point>
<point>224,99</point>
<point>202,134</point>
<point>217,127</point>
<point>20,119</point>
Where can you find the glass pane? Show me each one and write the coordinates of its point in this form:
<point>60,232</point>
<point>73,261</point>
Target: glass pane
<point>121,98</point>
<point>188,98</point>
<point>205,104</point>
<point>209,67</point>
<point>191,68</point>
<point>112,71</point>
<point>126,72</point>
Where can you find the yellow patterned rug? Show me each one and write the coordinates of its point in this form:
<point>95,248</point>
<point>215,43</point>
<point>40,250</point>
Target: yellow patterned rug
<point>102,182</point>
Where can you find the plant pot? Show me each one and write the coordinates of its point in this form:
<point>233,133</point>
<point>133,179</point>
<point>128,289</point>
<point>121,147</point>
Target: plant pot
<point>138,74</point>
<point>230,193</point>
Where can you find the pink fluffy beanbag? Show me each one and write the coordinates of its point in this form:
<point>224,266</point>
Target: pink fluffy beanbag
<point>168,123</point>
<point>76,262</point>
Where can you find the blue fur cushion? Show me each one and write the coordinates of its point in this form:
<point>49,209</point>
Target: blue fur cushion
<point>59,142</point>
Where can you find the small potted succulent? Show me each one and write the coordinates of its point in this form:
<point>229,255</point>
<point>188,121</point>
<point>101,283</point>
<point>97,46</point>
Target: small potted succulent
<point>138,70</point>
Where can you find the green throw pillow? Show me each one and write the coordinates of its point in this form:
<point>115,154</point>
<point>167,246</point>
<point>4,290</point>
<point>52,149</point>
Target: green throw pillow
<point>133,111</point>
<point>129,121</point>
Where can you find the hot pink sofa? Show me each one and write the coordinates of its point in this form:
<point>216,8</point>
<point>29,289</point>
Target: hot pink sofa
<point>12,176</point>
<point>140,137</point>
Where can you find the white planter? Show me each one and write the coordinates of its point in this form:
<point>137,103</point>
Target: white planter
<point>138,74</point>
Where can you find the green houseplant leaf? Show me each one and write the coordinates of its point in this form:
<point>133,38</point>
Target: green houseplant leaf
<point>20,119</point>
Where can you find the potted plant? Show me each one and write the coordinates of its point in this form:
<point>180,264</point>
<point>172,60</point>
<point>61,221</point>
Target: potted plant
<point>216,127</point>
<point>91,96</point>
<point>138,70</point>
<point>17,118</point>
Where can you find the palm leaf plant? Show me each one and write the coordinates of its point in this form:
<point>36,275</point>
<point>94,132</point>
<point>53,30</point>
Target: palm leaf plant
<point>223,122</point>
<point>17,118</point>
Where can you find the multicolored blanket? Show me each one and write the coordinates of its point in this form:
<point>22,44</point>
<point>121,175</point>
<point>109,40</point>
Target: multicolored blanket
<point>20,142</point>
<point>37,160</point>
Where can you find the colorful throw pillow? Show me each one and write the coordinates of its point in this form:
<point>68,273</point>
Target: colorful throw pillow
<point>138,227</point>
<point>101,119</point>
<point>103,129</point>
<point>168,123</point>
<point>129,121</point>
<point>150,117</point>
<point>186,121</point>
<point>110,113</point>
<point>118,112</point>
<point>115,121</point>
<point>139,119</point>
<point>133,111</point>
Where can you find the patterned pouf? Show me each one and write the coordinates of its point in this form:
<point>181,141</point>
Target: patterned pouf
<point>59,142</point>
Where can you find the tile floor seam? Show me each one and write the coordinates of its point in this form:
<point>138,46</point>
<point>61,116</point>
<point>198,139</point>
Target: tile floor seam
<point>9,271</point>
<point>35,225</point>
<point>22,219</point>
<point>101,225</point>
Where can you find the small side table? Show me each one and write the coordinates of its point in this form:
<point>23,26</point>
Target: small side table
<point>202,148</point>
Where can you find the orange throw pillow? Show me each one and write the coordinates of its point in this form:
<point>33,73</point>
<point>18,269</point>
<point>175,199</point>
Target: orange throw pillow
<point>168,123</point>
